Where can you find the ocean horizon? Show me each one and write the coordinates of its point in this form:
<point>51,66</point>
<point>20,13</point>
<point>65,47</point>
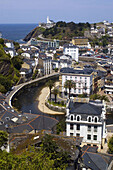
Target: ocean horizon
<point>16,32</point>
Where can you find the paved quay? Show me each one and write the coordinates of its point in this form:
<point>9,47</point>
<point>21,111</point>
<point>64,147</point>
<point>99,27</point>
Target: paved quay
<point>41,102</point>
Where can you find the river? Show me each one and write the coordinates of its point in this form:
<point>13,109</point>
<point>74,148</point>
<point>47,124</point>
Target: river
<point>26,101</point>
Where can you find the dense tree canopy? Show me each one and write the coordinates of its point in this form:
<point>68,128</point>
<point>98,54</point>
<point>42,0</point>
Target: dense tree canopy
<point>63,30</point>
<point>9,73</point>
<point>3,139</point>
<point>110,145</point>
<point>49,156</point>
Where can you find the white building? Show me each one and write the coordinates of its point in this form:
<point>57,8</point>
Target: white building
<point>9,43</point>
<point>72,50</point>
<point>108,84</point>
<point>106,22</point>
<point>82,78</point>
<point>25,48</point>
<point>55,64</point>
<point>10,51</point>
<point>44,63</point>
<point>30,53</point>
<point>49,21</point>
<point>87,120</point>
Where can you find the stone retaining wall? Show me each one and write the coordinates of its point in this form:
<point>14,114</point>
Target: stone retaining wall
<point>55,108</point>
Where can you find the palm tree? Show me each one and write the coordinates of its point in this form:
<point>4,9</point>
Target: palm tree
<point>69,84</point>
<point>55,92</point>
<point>50,84</point>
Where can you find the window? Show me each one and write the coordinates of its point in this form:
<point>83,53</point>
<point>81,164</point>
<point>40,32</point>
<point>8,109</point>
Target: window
<point>71,134</point>
<point>88,144</point>
<point>89,119</point>
<point>80,78</point>
<point>95,128</point>
<point>95,119</point>
<point>89,128</point>
<point>88,137</point>
<point>78,127</point>
<point>78,118</point>
<point>71,117</point>
<point>79,84</point>
<point>71,126</point>
<point>79,91</point>
<point>75,78</point>
<point>74,90</point>
<point>95,137</point>
<point>71,78</point>
<point>78,134</point>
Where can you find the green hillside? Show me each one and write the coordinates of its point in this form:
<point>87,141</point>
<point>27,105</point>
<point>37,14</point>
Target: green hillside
<point>61,31</point>
<point>65,31</point>
<point>9,74</point>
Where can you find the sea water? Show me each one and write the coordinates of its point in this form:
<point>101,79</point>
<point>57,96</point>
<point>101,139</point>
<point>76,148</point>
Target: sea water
<point>16,32</point>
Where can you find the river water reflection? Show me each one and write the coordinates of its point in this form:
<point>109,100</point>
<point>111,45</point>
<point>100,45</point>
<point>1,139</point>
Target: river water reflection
<point>27,101</point>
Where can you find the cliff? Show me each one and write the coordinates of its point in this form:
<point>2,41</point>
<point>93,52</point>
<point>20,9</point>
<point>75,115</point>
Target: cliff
<point>34,33</point>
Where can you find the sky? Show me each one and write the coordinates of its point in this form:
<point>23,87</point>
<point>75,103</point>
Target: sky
<point>35,11</point>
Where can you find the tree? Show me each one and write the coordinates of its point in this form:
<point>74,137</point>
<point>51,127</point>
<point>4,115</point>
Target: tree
<point>17,62</point>
<point>3,139</point>
<point>69,84</point>
<point>17,46</point>
<point>98,96</point>
<point>95,26</point>
<point>110,145</point>
<point>2,42</point>
<point>50,84</point>
<point>30,159</point>
<point>55,92</point>
<point>48,144</point>
<point>35,74</point>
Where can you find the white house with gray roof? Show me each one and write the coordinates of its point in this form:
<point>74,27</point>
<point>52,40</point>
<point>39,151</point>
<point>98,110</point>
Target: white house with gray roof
<point>82,78</point>
<point>72,50</point>
<point>87,120</point>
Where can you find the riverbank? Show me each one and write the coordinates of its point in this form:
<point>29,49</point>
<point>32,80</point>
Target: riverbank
<point>41,102</point>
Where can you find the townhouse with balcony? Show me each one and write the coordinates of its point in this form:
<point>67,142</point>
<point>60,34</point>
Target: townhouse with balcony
<point>44,64</point>
<point>83,80</point>
<point>108,84</point>
<point>87,120</point>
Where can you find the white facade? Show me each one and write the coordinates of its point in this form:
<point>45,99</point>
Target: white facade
<point>26,54</point>
<point>82,80</point>
<point>47,66</point>
<point>65,63</point>
<point>9,44</point>
<point>49,21</point>
<point>71,50</point>
<point>25,48</point>
<point>108,84</point>
<point>10,51</point>
<point>92,127</point>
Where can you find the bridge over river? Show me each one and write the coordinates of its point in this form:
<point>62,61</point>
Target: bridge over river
<point>20,86</point>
